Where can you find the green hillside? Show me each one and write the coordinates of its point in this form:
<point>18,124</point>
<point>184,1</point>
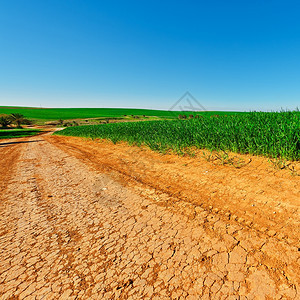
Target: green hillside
<point>48,114</point>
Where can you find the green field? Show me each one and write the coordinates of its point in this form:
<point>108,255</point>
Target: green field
<point>275,134</point>
<point>41,115</point>
<point>16,133</point>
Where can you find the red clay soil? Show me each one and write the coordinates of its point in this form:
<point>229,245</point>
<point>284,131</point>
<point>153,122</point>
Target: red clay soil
<point>256,195</point>
<point>82,219</point>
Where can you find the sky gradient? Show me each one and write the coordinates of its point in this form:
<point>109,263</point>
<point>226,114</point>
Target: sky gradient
<point>230,55</point>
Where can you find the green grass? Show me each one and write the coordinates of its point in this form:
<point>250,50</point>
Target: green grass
<point>275,134</point>
<point>17,133</point>
<point>48,114</point>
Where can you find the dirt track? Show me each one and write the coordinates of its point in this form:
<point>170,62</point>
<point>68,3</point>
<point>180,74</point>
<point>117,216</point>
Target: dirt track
<point>69,230</point>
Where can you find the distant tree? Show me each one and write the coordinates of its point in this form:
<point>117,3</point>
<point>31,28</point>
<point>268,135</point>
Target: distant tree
<point>5,121</point>
<point>27,122</point>
<point>182,116</point>
<point>17,119</point>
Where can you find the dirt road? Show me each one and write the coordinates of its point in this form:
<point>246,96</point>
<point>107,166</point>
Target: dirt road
<point>70,231</point>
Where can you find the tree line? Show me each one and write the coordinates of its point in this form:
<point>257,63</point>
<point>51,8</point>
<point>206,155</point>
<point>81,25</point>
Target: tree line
<point>13,119</point>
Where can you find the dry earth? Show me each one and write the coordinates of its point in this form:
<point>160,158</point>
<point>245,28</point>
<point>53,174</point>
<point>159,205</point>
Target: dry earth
<point>89,220</point>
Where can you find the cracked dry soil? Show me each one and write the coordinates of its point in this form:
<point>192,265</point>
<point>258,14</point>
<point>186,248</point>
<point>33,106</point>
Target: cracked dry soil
<point>70,231</point>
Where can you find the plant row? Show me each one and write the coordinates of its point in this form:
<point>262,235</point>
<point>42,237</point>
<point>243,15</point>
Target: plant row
<point>272,134</point>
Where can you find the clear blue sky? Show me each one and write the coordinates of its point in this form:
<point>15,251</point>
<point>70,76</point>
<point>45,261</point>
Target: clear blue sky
<point>231,55</point>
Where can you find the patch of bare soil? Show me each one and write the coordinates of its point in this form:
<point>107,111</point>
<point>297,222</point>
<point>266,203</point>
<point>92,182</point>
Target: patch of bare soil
<point>88,220</point>
<point>8,158</point>
<point>257,195</point>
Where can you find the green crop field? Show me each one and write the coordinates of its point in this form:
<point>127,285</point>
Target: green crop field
<point>275,134</point>
<point>16,133</point>
<point>48,114</point>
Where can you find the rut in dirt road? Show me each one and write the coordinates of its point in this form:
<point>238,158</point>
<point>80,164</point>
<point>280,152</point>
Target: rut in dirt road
<point>70,232</point>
